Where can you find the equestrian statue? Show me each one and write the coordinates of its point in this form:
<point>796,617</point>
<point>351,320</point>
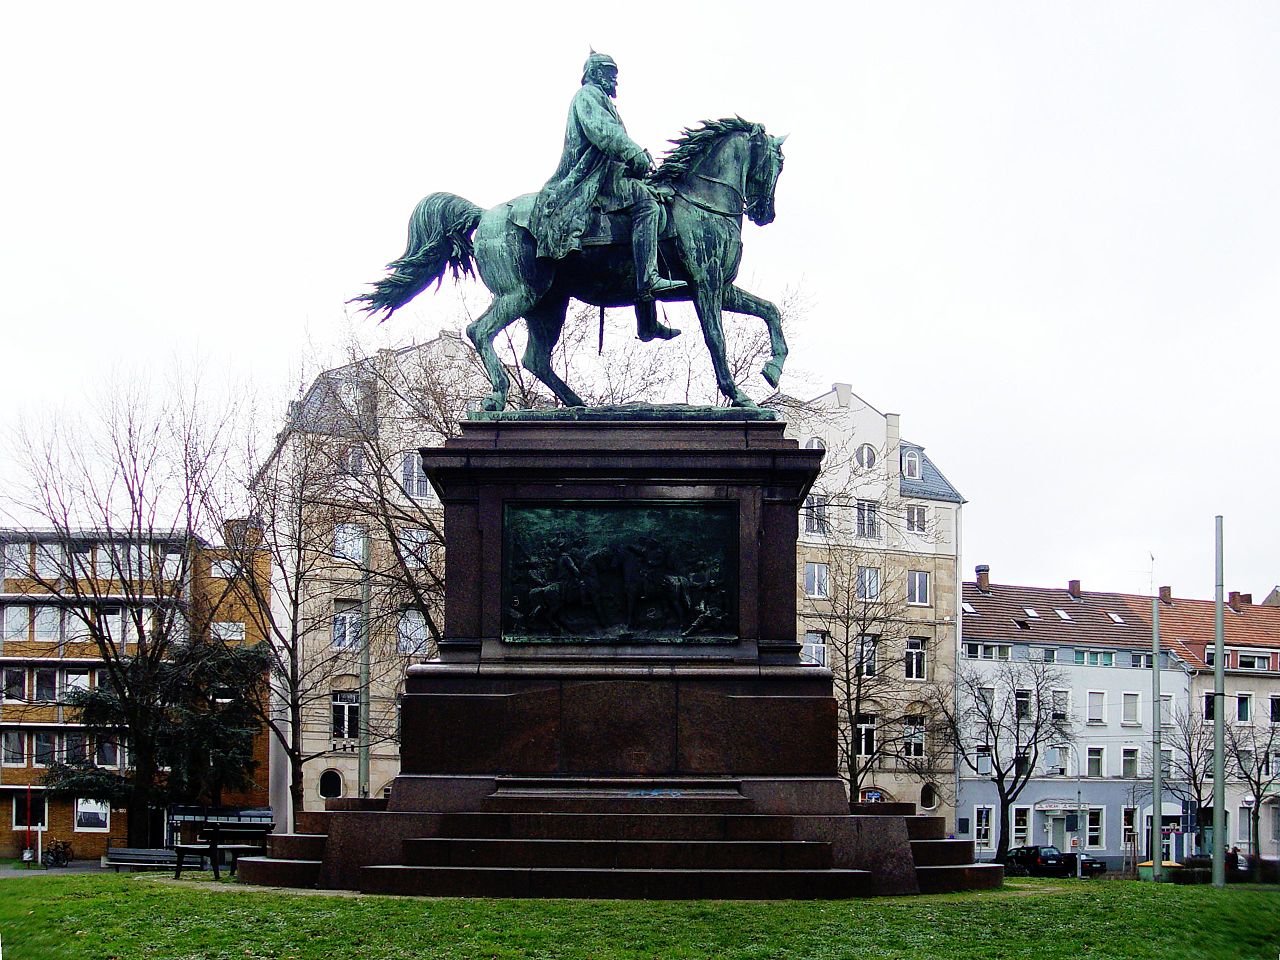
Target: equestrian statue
<point>600,231</point>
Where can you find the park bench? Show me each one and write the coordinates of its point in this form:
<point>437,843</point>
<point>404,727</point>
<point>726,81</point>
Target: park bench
<point>215,839</point>
<point>139,858</point>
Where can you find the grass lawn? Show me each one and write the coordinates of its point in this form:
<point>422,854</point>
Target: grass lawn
<point>145,916</point>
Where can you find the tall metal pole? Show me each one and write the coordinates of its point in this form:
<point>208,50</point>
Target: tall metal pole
<point>1219,721</point>
<point>364,667</point>
<point>1157,775</point>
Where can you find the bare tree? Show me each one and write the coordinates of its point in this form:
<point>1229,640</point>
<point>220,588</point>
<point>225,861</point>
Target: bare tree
<point>1254,751</point>
<point>1002,718</point>
<point>1189,770</point>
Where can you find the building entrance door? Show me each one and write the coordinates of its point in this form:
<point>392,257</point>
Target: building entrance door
<point>1058,832</point>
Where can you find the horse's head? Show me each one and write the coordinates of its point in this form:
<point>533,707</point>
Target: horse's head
<point>763,170</point>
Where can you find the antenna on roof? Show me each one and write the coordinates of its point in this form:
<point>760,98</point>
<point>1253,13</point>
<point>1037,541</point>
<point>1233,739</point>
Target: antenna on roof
<point>1151,588</point>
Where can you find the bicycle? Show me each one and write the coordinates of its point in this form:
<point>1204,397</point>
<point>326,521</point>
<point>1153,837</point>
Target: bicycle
<point>56,854</point>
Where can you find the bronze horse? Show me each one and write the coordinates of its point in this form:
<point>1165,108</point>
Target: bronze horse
<point>714,175</point>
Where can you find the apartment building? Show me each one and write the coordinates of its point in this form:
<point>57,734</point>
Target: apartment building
<point>64,597</point>
<point>877,594</point>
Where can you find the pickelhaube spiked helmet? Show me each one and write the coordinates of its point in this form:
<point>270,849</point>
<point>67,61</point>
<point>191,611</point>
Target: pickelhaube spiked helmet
<point>594,62</point>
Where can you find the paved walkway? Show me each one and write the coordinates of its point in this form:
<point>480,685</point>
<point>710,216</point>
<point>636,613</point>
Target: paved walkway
<point>75,866</point>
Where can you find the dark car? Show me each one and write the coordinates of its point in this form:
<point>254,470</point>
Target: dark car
<point>1089,866</point>
<point>1036,862</point>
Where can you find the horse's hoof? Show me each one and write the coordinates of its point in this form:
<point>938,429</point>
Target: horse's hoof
<point>494,403</point>
<point>742,400</point>
<point>772,373</point>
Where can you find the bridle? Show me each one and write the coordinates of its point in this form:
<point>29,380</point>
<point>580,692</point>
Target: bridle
<point>742,202</point>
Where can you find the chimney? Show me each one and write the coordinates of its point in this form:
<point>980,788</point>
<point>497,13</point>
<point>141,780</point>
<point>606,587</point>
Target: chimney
<point>1246,599</point>
<point>1166,596</point>
<point>1073,588</point>
<point>843,392</point>
<point>1233,600</point>
<point>245,532</point>
<point>984,577</point>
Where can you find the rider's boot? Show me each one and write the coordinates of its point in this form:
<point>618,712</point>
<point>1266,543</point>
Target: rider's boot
<point>647,325</point>
<point>644,249</point>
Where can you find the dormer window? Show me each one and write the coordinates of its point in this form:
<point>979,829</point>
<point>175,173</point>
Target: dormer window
<point>911,464</point>
<point>866,456</point>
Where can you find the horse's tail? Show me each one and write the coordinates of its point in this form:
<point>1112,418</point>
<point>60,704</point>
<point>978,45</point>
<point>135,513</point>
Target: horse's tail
<point>440,232</point>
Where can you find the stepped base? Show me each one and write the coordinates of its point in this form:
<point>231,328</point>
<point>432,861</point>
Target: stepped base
<point>958,877</point>
<point>621,854</point>
<point>270,872</point>
<point>616,884</point>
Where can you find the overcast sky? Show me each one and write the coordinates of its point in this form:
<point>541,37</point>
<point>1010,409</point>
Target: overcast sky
<point>1046,234</point>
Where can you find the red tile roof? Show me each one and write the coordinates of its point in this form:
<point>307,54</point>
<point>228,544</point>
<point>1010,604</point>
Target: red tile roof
<point>1186,626</point>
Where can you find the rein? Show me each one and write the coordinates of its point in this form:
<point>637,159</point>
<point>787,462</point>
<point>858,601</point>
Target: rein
<point>742,201</point>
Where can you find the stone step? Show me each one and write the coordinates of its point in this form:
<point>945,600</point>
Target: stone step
<point>882,809</point>
<point>616,884</point>
<point>617,826</point>
<point>926,828</point>
<point>936,853</point>
<point>296,846</point>
<point>951,878</point>
<point>615,803</point>
<point>269,872</point>
<point>621,854</point>
<point>312,821</point>
<point>623,786</point>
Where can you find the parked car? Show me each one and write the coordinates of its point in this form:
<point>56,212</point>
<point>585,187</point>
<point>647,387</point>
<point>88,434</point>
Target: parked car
<point>1036,862</point>
<point>1089,866</point>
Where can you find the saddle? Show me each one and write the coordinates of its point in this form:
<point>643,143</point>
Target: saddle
<point>604,228</point>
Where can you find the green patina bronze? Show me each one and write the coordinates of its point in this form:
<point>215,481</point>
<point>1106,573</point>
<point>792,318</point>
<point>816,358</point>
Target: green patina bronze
<point>607,229</point>
<point>589,572</point>
<point>630,412</point>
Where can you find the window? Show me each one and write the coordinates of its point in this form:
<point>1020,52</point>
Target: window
<point>816,583</point>
<point>968,608</point>
<point>13,752</point>
<point>865,455</point>
<point>1093,828</point>
<point>43,748</point>
<point>46,685</point>
<point>346,714</point>
<point>982,761</point>
<point>1055,759</point>
<point>1021,826</point>
<point>1245,820</point>
<point>1095,658</point>
<point>867,515</point>
<point>1031,612</point>
<point>171,565</point>
<point>815,514</point>
<point>48,621</point>
<point>928,796</point>
<point>74,680</point>
<point>75,747</point>
<point>1021,765</point>
<point>226,569</point>
<point>349,542</point>
<point>1209,710</point>
<point>987,697</point>
<point>1166,763</point>
<point>914,668</point>
<point>814,648</point>
<point>228,631</point>
<point>1275,718</point>
<point>351,462</point>
<point>330,784</point>
<point>911,464</point>
<point>414,477</point>
<point>415,544</point>
<point>866,724</point>
<point>1061,701</point>
<point>868,585</point>
<point>1142,660</point>
<point>917,519</point>
<point>92,816</point>
<point>1129,708</point>
<point>1244,707</point>
<point>1062,614</point>
<point>1129,826</point>
<point>411,632</point>
<point>918,587</point>
<point>77,631</point>
<point>1210,656</point>
<point>15,684</point>
<point>1094,762</point>
<point>913,736</point>
<point>865,662</point>
<point>17,623</point>
<point>33,804</point>
<point>1166,710</point>
<point>17,560</point>
<point>48,561</point>
<point>1129,763</point>
<point>346,624</point>
<point>1115,617</point>
<point>986,651</point>
<point>1046,655</point>
<point>1021,704</point>
<point>982,828</point>
<point>108,752</point>
<point>1097,706</point>
<point>1253,661</point>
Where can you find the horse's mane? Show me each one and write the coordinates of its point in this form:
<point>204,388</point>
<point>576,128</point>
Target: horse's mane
<point>693,144</point>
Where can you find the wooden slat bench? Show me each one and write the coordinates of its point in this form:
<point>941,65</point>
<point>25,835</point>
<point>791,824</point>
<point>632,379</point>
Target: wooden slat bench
<point>139,858</point>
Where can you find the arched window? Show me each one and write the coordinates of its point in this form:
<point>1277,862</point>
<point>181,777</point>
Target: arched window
<point>330,784</point>
<point>928,796</point>
<point>814,443</point>
<point>866,456</point>
<point>911,464</point>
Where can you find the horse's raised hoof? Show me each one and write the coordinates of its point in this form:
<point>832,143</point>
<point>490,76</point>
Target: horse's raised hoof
<point>772,373</point>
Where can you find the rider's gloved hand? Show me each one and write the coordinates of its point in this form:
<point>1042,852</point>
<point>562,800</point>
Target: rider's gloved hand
<point>641,163</point>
